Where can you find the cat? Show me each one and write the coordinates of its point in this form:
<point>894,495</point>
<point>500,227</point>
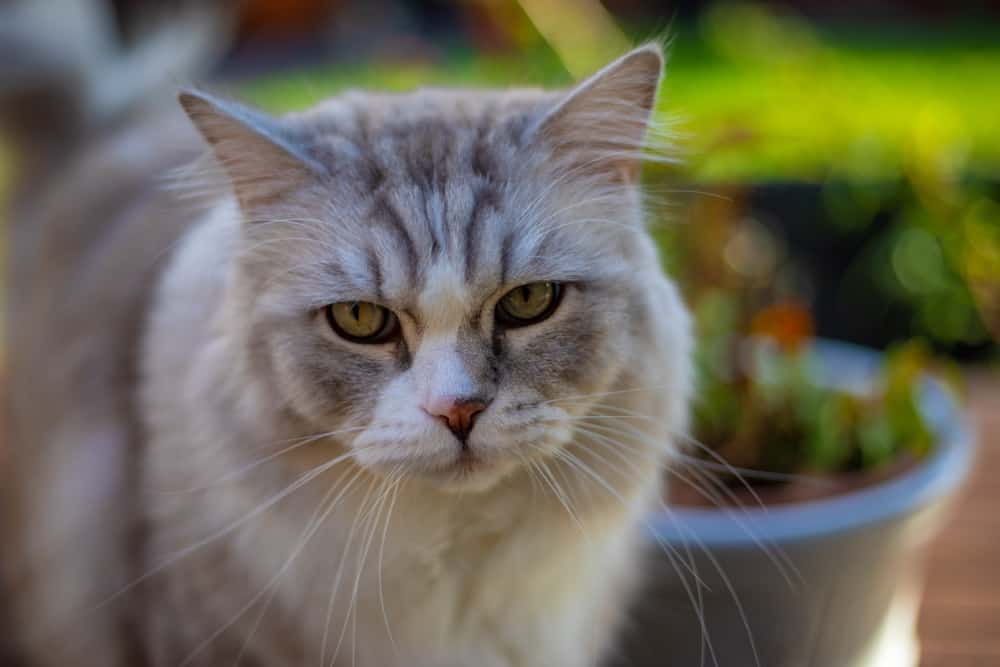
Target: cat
<point>388,382</point>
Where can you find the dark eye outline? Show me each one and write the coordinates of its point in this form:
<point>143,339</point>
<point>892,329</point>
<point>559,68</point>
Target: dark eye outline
<point>389,330</point>
<point>513,322</point>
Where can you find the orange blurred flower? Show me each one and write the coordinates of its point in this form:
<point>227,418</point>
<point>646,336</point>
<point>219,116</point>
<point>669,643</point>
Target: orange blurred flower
<point>789,324</point>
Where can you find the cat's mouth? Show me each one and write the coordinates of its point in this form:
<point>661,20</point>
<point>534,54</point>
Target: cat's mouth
<point>467,462</point>
<point>448,466</point>
<point>467,470</point>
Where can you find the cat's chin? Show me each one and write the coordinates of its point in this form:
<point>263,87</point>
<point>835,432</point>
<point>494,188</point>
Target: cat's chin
<point>468,473</point>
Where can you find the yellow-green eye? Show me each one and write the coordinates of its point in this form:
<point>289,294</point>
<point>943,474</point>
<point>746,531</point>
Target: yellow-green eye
<point>528,304</point>
<point>361,321</point>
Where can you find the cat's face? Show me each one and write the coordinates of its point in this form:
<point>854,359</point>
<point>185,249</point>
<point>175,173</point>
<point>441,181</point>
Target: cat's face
<point>443,279</point>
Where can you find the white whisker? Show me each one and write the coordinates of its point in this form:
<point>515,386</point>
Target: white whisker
<point>312,526</point>
<point>381,560</point>
<point>335,587</point>
<point>243,470</point>
<point>176,556</point>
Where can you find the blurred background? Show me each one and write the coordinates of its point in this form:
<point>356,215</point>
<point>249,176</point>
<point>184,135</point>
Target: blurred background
<point>837,168</point>
<point>844,157</point>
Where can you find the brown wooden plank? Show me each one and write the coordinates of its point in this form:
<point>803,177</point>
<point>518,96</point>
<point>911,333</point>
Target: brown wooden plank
<point>959,622</point>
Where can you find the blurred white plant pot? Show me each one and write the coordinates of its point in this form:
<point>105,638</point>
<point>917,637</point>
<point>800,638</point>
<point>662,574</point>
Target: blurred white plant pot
<point>826,583</point>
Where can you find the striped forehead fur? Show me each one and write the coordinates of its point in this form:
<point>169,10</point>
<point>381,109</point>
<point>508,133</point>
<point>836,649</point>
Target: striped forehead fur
<point>403,178</point>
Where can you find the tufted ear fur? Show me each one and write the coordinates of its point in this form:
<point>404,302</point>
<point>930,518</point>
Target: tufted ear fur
<point>262,156</point>
<point>601,125</point>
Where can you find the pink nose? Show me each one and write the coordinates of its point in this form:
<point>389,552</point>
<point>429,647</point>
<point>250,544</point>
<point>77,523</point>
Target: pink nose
<point>459,414</point>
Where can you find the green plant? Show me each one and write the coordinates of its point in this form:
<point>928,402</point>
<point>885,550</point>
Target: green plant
<point>761,405</point>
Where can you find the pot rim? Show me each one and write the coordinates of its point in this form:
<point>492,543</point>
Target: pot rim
<point>933,479</point>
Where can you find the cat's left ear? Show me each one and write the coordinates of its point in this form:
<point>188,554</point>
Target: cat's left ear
<point>601,124</point>
<point>261,154</point>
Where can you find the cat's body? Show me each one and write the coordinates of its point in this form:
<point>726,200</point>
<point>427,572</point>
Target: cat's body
<point>86,252</point>
<point>225,528</point>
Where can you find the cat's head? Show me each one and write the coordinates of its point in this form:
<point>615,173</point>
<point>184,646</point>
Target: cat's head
<point>446,278</point>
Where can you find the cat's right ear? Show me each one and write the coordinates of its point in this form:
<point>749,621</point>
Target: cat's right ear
<point>600,126</point>
<point>259,153</point>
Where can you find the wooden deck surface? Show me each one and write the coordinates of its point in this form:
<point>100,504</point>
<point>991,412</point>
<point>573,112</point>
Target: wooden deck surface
<point>960,617</point>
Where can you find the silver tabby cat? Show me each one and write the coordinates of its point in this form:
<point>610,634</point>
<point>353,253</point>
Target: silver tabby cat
<point>389,382</point>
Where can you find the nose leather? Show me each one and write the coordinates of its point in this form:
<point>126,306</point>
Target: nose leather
<point>458,414</point>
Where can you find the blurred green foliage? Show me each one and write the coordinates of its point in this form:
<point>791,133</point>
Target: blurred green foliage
<point>771,97</point>
<point>761,405</point>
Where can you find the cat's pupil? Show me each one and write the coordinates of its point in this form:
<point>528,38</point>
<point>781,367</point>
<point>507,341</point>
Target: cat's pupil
<point>356,311</point>
<point>526,294</point>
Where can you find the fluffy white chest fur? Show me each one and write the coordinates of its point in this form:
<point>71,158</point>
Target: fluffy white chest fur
<point>517,584</point>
